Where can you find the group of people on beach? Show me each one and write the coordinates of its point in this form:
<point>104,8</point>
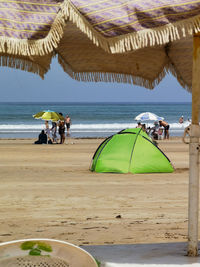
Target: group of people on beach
<point>157,130</point>
<point>49,134</point>
<point>160,127</point>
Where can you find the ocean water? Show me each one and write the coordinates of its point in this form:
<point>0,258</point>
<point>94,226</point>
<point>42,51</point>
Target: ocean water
<point>92,120</point>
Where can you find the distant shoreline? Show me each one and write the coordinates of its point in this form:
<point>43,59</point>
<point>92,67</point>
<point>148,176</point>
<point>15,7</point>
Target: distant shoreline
<point>29,138</point>
<point>84,138</point>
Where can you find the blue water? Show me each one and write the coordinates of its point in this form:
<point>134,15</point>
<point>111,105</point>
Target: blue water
<point>88,119</point>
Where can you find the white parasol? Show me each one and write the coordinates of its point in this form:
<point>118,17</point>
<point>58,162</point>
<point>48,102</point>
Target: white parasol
<point>148,116</point>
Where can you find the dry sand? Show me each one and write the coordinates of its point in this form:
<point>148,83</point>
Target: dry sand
<point>47,191</point>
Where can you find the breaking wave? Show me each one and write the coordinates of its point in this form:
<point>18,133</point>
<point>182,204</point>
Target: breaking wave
<point>86,127</point>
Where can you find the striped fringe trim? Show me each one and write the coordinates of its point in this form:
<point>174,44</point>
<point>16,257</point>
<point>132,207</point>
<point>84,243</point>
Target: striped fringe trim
<point>35,47</point>
<point>22,64</point>
<point>136,40</point>
<point>112,77</point>
<point>71,13</point>
<point>119,44</point>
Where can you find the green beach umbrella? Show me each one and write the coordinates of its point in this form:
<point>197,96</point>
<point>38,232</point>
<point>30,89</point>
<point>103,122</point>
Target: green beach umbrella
<point>48,115</point>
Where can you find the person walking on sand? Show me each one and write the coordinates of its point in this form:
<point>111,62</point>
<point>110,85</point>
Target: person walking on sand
<point>68,124</point>
<point>166,128</point>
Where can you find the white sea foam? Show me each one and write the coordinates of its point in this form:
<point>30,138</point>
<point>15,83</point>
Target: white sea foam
<point>20,127</point>
<point>86,127</point>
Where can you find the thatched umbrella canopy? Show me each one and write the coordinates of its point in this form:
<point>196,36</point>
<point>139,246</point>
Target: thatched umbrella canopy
<point>116,41</point>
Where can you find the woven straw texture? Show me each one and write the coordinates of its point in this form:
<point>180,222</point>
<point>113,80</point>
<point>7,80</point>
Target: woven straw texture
<point>34,261</point>
<point>120,40</point>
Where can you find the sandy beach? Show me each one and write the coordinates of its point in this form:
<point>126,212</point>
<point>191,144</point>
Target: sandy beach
<point>47,191</point>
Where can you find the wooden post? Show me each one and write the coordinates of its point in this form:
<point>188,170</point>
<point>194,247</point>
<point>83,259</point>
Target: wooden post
<point>193,208</point>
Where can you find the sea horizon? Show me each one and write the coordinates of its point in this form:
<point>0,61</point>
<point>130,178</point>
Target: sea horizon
<point>89,119</point>
<point>92,102</point>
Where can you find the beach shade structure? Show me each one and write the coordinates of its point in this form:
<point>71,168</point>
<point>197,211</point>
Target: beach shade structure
<point>48,115</point>
<point>115,41</point>
<point>130,150</point>
<point>148,116</point>
<point>44,252</point>
<point>134,42</point>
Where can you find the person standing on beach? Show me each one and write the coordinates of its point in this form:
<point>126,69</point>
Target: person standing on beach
<point>46,126</point>
<point>166,128</point>
<point>54,131</point>
<point>181,120</point>
<point>68,123</point>
<point>139,125</point>
<point>144,127</point>
<point>47,130</point>
<point>61,130</point>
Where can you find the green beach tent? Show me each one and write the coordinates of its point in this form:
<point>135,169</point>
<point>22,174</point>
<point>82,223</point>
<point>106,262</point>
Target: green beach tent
<point>130,150</point>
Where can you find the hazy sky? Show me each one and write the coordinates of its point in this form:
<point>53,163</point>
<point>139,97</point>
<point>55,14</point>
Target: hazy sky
<point>57,86</point>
